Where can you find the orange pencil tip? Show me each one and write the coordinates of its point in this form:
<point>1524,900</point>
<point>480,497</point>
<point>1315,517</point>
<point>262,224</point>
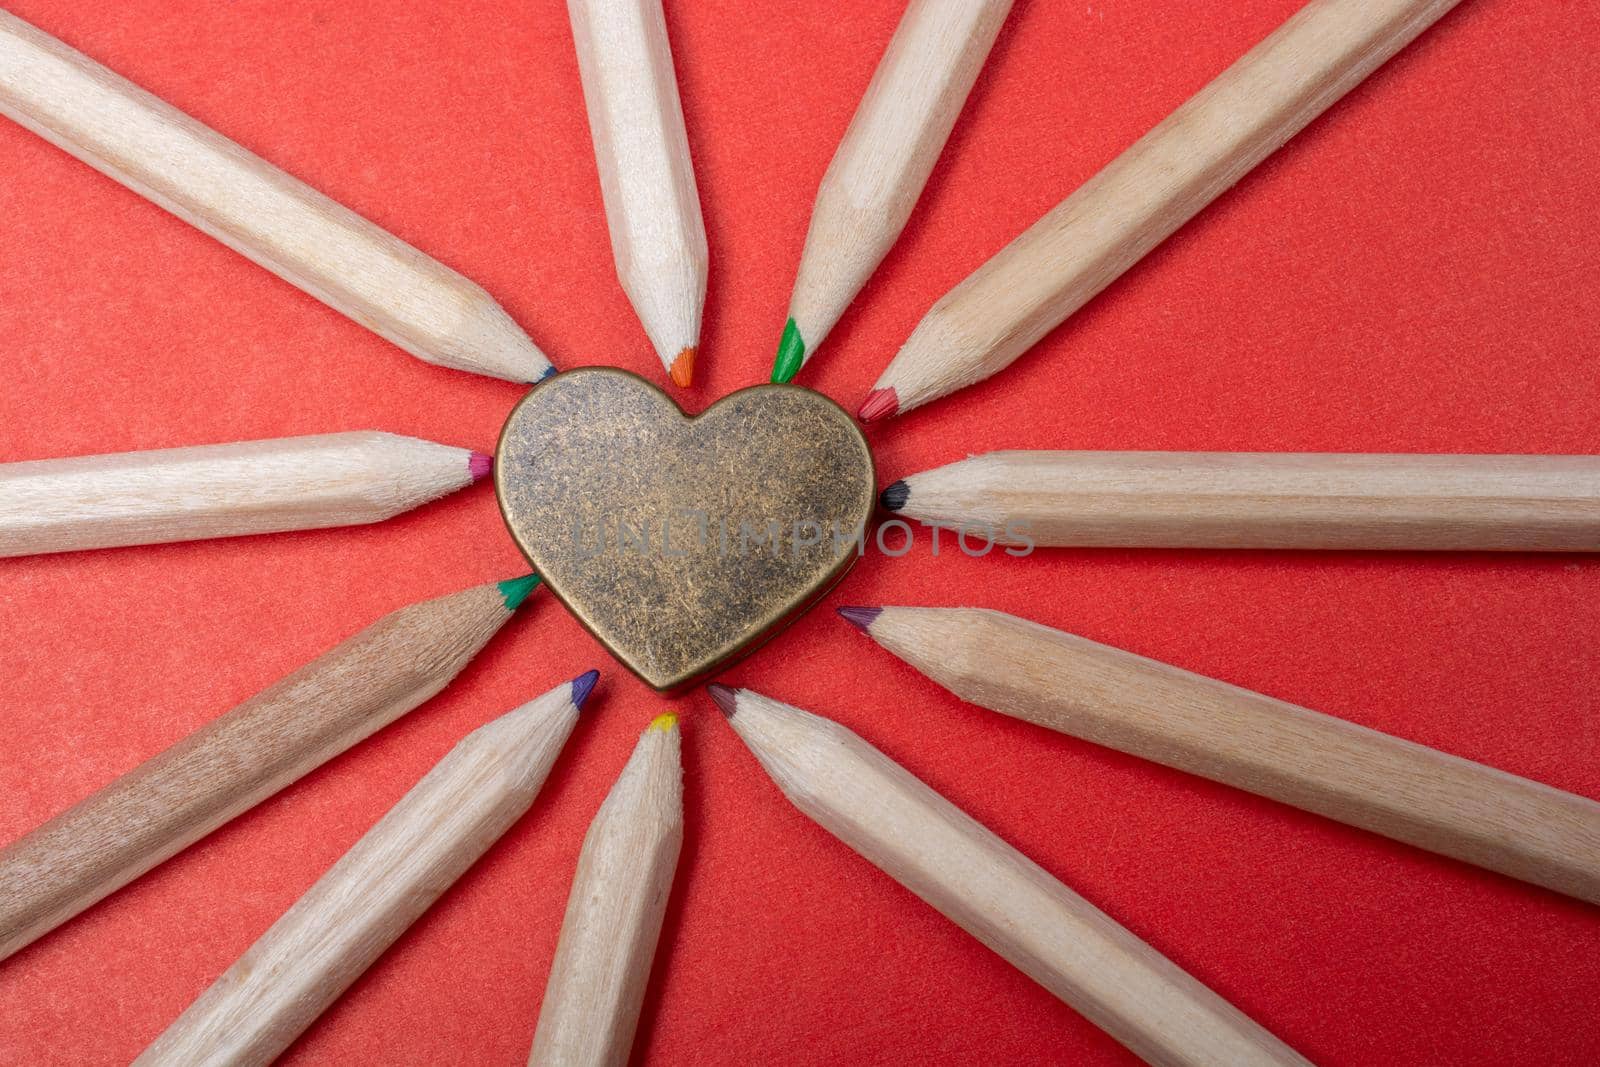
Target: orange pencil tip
<point>879,403</point>
<point>683,368</point>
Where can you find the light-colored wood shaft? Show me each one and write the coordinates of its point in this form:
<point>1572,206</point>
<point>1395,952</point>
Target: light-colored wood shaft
<point>1140,198</point>
<point>997,894</point>
<point>376,890</point>
<point>228,766</point>
<point>614,913</point>
<point>1267,500</point>
<point>646,177</point>
<point>1301,757</point>
<point>252,487</point>
<point>884,160</point>
<point>256,209</point>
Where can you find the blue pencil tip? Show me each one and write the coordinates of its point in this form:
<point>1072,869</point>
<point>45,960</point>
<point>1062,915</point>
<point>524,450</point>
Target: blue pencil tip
<point>582,686</point>
<point>894,497</point>
<point>549,372</point>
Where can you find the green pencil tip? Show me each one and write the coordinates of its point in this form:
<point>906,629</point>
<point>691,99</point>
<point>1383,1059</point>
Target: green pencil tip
<point>791,354</point>
<point>516,590</point>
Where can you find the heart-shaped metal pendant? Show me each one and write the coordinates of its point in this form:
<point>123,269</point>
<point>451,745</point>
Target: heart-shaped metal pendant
<point>682,542</point>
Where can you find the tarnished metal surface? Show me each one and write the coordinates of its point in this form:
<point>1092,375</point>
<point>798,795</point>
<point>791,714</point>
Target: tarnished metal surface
<point>678,542</point>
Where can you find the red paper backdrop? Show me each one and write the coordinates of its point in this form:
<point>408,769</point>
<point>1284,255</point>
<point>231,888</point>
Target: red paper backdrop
<point>1415,273</point>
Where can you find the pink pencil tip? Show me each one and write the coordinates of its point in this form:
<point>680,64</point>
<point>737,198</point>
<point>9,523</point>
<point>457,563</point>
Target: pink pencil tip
<point>479,466</point>
<point>726,700</point>
<point>879,403</point>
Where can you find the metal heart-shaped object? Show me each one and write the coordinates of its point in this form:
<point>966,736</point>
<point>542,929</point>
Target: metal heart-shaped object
<point>682,542</point>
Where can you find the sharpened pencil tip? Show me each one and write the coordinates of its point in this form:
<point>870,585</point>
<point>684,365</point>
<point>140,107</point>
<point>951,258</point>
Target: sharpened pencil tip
<point>726,700</point>
<point>479,465</point>
<point>582,686</point>
<point>682,370</point>
<point>861,618</point>
<point>879,403</point>
<point>791,355</point>
<point>549,372</point>
<point>665,723</point>
<point>895,496</point>
<point>515,590</point>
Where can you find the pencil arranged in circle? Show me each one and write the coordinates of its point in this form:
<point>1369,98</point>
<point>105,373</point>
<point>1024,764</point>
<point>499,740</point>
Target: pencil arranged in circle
<point>879,170</point>
<point>994,892</point>
<point>1087,241</point>
<point>1263,500</point>
<point>238,760</point>
<point>376,890</point>
<point>250,487</point>
<point>257,210</point>
<point>658,238</point>
<point>1312,761</point>
<point>614,912</point>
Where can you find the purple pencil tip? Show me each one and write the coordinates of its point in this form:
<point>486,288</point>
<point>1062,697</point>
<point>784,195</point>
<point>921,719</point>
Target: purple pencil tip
<point>861,618</point>
<point>479,465</point>
<point>582,686</point>
<point>726,700</point>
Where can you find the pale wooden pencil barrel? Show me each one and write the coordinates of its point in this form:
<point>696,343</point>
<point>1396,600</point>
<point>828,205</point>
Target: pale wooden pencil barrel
<point>373,893</point>
<point>256,209</point>
<point>1291,754</point>
<point>614,912</point>
<point>228,766</point>
<point>1269,500</point>
<point>886,155</point>
<point>998,895</point>
<point>251,487</point>
<point>1157,185</point>
<point>658,237</point>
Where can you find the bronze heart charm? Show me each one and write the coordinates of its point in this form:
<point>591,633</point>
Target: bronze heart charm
<point>681,542</point>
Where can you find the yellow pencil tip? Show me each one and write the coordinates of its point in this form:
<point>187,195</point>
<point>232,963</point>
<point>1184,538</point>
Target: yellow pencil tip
<point>665,722</point>
<point>683,368</point>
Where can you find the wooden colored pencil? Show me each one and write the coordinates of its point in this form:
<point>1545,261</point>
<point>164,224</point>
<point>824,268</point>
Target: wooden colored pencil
<point>879,170</point>
<point>376,890</point>
<point>614,912</point>
<point>1263,500</point>
<point>658,238</point>
<point>1313,761</point>
<point>256,209</point>
<point>994,892</point>
<point>251,487</point>
<point>227,767</point>
<point>1087,241</point>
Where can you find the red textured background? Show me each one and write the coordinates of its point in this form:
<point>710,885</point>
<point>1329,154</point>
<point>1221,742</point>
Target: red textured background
<point>1415,273</point>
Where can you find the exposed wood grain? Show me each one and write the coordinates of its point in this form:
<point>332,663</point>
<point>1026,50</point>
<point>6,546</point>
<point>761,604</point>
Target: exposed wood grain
<point>1137,201</point>
<point>890,147</point>
<point>374,893</point>
<point>1301,757</point>
<point>228,766</point>
<point>614,912</point>
<point>250,487</point>
<point>256,209</point>
<point>646,177</point>
<point>995,893</point>
<point>1266,500</point>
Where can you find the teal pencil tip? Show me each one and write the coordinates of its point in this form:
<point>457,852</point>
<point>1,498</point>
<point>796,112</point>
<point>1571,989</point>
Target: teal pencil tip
<point>791,355</point>
<point>515,590</point>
